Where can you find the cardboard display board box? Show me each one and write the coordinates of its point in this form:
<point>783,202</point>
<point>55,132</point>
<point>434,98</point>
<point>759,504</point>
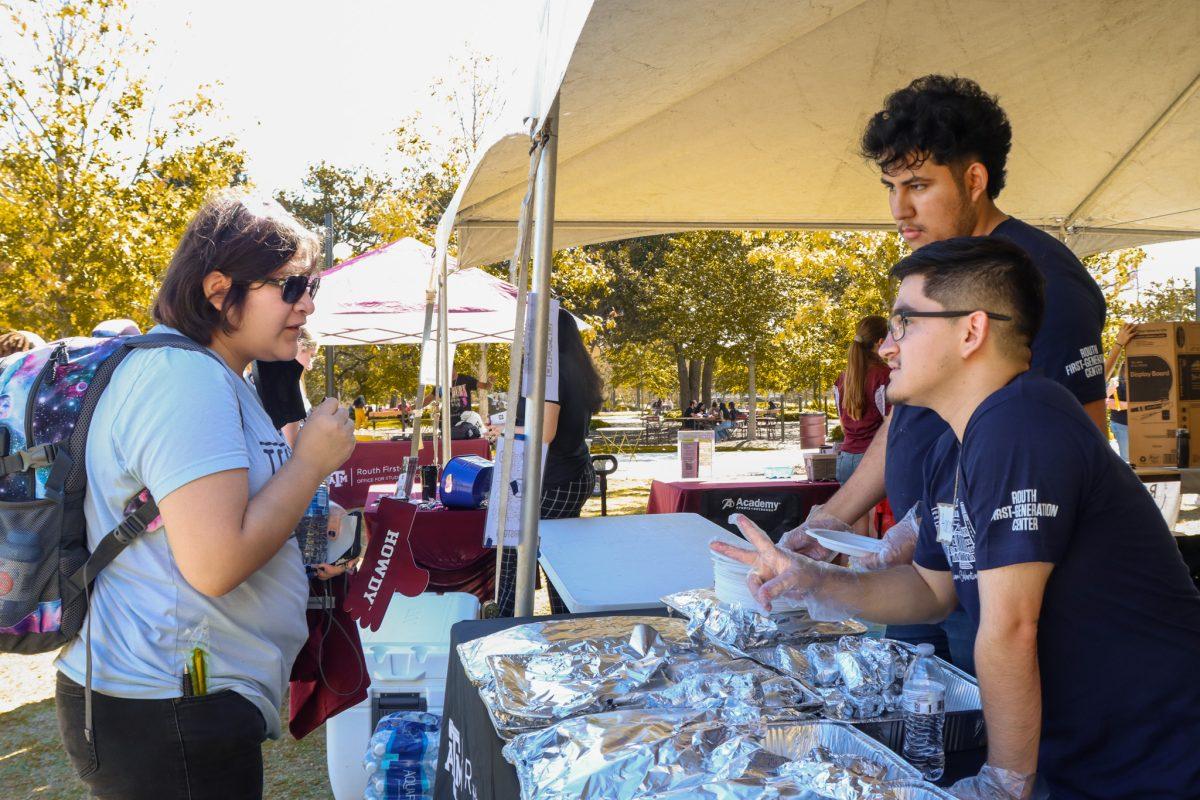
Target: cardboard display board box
<point>1163,363</point>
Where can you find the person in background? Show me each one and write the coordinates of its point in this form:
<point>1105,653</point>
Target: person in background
<point>116,327</point>
<point>567,476</point>
<point>19,342</point>
<point>222,580</point>
<point>723,427</point>
<point>859,394</point>
<point>1118,409</point>
<point>308,351</point>
<point>360,412</point>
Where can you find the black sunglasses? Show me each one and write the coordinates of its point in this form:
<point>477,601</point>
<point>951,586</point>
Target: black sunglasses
<point>898,321</point>
<point>292,287</point>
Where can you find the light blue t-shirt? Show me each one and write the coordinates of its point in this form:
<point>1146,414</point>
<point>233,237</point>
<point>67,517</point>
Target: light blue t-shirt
<point>167,418</point>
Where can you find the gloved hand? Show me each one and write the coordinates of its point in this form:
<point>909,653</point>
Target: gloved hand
<point>797,539</point>
<point>994,783</point>
<point>899,544</point>
<point>775,571</point>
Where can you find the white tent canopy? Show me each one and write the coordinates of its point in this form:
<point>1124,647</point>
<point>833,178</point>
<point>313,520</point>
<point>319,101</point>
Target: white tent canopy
<point>710,114</point>
<point>379,298</point>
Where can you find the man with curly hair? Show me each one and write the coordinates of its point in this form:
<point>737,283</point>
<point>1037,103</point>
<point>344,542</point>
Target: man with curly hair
<point>941,144</point>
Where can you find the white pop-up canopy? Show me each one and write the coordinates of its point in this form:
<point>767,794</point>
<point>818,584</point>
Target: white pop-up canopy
<point>710,114</point>
<point>379,297</point>
<point>653,117</point>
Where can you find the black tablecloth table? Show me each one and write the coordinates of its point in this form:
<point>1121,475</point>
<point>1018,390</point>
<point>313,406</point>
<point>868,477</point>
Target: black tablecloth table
<point>470,765</point>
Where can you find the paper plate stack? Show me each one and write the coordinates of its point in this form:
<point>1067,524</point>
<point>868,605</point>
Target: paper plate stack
<point>729,582</point>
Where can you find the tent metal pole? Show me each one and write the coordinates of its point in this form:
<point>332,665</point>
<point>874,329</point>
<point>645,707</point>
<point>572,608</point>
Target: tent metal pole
<point>519,272</point>
<point>330,350</point>
<point>430,300</point>
<point>443,353</point>
<point>535,399</point>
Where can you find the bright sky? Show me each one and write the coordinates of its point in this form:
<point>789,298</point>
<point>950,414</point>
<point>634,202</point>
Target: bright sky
<point>309,80</point>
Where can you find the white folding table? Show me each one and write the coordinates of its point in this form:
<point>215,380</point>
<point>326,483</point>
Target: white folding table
<point>623,562</point>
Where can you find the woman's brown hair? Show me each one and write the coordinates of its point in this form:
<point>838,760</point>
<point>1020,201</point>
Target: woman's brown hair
<point>860,357</point>
<point>247,239</point>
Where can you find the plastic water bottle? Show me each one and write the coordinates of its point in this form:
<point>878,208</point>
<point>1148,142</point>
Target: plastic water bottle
<point>924,703</point>
<point>401,758</point>
<point>314,527</point>
<point>19,557</point>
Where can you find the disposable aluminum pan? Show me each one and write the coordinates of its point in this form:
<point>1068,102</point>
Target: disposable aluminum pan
<point>794,741</point>
<point>703,679</point>
<point>964,716</point>
<point>538,637</point>
<point>964,708</point>
<point>917,790</point>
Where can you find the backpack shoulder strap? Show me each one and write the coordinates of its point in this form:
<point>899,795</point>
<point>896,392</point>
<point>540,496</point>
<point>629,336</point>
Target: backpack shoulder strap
<point>114,542</point>
<point>150,341</point>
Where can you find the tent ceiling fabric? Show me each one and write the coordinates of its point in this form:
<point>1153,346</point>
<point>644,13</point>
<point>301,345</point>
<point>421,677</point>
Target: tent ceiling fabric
<point>747,115</point>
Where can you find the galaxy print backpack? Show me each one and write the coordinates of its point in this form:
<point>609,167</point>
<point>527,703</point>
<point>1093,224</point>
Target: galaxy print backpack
<point>47,398</point>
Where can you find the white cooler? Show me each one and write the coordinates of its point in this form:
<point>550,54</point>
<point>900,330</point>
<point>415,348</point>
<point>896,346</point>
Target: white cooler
<point>407,659</point>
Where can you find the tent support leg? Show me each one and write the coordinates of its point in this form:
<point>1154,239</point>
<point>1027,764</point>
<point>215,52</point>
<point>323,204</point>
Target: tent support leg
<point>535,404</point>
<point>443,353</point>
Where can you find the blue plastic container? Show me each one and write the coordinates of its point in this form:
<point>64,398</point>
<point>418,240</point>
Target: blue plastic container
<point>466,481</point>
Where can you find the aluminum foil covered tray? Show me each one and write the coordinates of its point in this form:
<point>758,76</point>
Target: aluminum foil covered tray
<point>859,680</point>
<point>548,681</point>
<point>676,754</point>
<point>740,628</point>
<point>538,637</point>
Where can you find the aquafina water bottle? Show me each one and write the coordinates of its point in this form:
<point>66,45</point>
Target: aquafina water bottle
<point>924,703</point>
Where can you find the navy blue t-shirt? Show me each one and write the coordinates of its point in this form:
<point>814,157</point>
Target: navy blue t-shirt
<point>1119,633</point>
<point>1067,350</point>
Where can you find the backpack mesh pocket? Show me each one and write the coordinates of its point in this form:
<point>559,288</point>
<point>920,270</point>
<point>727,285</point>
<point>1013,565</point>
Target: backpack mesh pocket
<point>30,600</point>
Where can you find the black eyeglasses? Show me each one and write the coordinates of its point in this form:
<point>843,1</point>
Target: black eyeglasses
<point>292,287</point>
<point>898,321</point>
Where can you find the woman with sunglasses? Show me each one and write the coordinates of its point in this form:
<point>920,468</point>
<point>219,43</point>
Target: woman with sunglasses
<point>194,627</point>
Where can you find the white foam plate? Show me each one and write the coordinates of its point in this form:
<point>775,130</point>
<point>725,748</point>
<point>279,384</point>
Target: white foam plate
<point>851,544</point>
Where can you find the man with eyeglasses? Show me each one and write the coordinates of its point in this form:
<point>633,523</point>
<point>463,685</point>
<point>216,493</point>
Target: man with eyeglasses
<point>941,144</point>
<point>1089,624</point>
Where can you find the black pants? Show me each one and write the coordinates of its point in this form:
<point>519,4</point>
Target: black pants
<point>187,748</point>
<point>563,501</point>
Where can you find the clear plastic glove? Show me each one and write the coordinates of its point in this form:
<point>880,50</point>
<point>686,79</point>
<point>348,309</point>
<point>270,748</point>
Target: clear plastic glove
<point>775,571</point>
<point>899,544</point>
<point>797,539</point>
<point>994,783</point>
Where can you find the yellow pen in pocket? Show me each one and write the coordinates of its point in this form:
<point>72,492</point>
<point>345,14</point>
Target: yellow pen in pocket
<point>199,673</point>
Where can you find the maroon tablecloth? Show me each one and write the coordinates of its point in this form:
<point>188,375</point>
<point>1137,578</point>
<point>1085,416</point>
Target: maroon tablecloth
<point>448,543</point>
<point>776,505</point>
<point>380,462</point>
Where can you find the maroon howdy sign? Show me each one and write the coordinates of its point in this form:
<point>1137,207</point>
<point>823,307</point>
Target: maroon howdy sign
<point>388,566</point>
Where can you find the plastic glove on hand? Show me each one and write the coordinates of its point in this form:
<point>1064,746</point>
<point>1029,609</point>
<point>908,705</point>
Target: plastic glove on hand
<point>797,540</point>
<point>994,783</point>
<point>773,570</point>
<point>899,544</point>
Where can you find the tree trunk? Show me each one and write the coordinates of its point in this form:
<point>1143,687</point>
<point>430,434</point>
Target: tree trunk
<point>681,367</point>
<point>639,396</point>
<point>710,362</point>
<point>483,378</point>
<point>694,369</point>
<point>752,411</point>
